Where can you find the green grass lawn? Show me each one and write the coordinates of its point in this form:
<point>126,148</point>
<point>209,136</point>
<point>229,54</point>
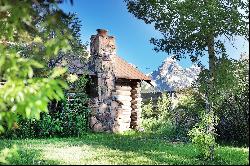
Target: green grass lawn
<point>115,149</point>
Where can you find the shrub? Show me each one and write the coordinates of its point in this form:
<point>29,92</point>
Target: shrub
<point>160,127</point>
<point>69,118</point>
<point>233,126</point>
<point>186,112</point>
<point>158,121</point>
<point>164,106</point>
<point>75,116</point>
<point>69,122</point>
<point>229,98</point>
<point>204,140</point>
<point>7,154</point>
<point>147,109</point>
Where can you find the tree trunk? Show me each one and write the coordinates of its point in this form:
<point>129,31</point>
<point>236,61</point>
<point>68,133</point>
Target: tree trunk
<point>211,55</point>
<point>209,103</point>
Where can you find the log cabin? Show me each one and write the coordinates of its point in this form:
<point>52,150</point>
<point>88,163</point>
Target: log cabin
<point>115,90</point>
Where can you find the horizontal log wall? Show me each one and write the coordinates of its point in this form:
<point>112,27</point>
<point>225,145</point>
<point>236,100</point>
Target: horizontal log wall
<point>128,113</point>
<point>123,112</point>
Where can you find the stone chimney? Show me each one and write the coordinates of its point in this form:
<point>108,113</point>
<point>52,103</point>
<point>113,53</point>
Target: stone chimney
<point>102,44</point>
<point>102,32</point>
<point>102,51</point>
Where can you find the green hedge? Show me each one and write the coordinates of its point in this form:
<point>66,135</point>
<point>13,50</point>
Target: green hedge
<point>72,120</point>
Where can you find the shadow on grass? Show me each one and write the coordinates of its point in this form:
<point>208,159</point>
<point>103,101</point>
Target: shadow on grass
<point>157,151</point>
<point>114,149</point>
<point>17,155</point>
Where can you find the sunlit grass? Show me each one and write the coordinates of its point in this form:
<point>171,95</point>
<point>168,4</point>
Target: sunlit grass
<point>116,149</point>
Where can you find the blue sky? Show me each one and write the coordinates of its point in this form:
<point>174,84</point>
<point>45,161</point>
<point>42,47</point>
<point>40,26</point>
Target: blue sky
<point>132,35</point>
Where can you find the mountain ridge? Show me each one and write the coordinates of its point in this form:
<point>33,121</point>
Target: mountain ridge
<point>171,76</point>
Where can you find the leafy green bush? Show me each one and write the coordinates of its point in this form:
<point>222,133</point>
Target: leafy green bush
<point>174,118</point>
<point>160,127</point>
<point>75,116</point>
<point>66,123</point>
<point>233,126</point>
<point>186,112</point>
<point>158,121</point>
<point>225,99</point>
<point>158,108</point>
<point>204,140</point>
<point>7,154</point>
<point>147,109</point>
<point>70,119</point>
<point>230,98</point>
<point>22,54</point>
<point>164,106</point>
<point>233,101</point>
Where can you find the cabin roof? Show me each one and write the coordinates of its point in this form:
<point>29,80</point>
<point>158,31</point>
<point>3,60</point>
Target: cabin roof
<point>123,69</point>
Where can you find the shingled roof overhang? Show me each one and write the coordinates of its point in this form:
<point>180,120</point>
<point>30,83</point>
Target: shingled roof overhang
<point>123,69</point>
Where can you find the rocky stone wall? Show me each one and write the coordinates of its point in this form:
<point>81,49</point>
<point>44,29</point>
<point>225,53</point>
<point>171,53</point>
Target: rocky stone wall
<point>103,107</point>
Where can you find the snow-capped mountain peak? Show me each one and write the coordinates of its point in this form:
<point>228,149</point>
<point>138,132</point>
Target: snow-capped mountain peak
<point>171,76</point>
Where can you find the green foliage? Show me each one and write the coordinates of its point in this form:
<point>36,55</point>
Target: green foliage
<point>78,49</point>
<point>203,139</point>
<point>189,26</point>
<point>69,120</point>
<point>195,28</point>
<point>164,106</point>
<point>68,123</point>
<point>7,154</point>
<point>28,97</point>
<point>231,76</point>
<point>75,116</point>
<point>147,109</point>
<point>233,126</point>
<point>117,149</point>
<point>230,105</point>
<point>186,112</point>
<point>30,33</point>
<point>159,127</point>
<point>157,120</point>
<point>230,99</point>
<point>48,126</point>
<point>76,112</point>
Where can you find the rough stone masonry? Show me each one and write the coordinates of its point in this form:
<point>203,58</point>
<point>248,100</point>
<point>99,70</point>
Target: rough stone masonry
<point>117,105</point>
